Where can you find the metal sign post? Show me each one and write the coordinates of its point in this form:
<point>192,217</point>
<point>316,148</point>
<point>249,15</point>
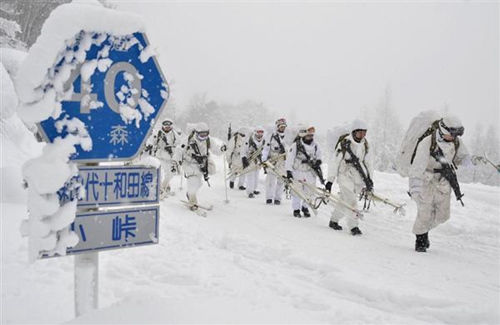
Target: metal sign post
<point>86,283</point>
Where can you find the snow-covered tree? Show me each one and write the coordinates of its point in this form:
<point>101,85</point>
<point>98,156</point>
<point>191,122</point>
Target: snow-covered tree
<point>29,15</point>
<point>385,132</point>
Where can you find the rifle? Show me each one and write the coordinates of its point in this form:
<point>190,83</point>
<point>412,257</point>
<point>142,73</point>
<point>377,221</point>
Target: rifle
<point>346,145</point>
<point>447,171</point>
<point>201,160</point>
<point>311,162</point>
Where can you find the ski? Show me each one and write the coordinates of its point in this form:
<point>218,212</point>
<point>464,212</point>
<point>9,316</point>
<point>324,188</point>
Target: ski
<point>292,185</point>
<point>242,171</point>
<point>497,167</point>
<point>195,208</point>
<point>329,198</point>
<point>203,207</point>
<point>398,207</point>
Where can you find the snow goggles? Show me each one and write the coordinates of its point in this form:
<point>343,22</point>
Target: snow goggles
<point>167,123</point>
<point>280,122</point>
<point>203,134</point>
<point>456,132</point>
<point>259,132</point>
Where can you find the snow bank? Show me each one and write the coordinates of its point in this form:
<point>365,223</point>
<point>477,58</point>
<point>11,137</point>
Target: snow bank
<point>8,100</point>
<point>12,59</point>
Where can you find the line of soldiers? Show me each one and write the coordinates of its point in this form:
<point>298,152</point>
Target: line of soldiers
<point>299,163</point>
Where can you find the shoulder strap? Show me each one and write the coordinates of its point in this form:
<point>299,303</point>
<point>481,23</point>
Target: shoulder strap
<point>430,131</point>
<point>277,138</point>
<point>301,149</point>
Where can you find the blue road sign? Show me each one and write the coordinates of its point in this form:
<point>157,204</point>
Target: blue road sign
<point>104,230</point>
<point>121,87</point>
<point>112,186</point>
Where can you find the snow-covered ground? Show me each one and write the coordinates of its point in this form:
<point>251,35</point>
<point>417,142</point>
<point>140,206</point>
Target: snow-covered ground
<point>251,263</point>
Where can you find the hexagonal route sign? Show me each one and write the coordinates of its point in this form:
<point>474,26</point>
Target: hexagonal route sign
<point>118,90</point>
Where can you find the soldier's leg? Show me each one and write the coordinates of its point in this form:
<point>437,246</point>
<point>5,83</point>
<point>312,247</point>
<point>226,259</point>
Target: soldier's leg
<point>241,180</point>
<point>270,185</point>
<point>250,182</point>
<point>442,208</point>
<point>425,210</point>
<point>351,198</point>
<point>168,175</point>
<point>339,212</point>
<point>278,194</point>
<point>194,183</point>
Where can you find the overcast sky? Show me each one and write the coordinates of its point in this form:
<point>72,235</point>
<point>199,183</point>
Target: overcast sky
<point>326,61</point>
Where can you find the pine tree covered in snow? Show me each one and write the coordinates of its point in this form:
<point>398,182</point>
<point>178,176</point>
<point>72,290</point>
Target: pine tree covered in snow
<point>29,15</point>
<point>384,132</point>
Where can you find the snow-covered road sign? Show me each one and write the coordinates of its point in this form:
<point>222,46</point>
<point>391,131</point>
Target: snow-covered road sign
<point>112,186</point>
<point>103,230</point>
<point>118,91</point>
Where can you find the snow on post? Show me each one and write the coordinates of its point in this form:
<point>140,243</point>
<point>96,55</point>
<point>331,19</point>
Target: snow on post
<point>42,83</point>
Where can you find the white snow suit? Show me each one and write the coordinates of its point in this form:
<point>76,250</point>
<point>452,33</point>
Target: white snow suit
<point>247,150</point>
<point>194,155</point>
<point>430,191</point>
<point>275,146</point>
<point>164,149</point>
<point>233,156</point>
<point>349,179</point>
<point>301,171</point>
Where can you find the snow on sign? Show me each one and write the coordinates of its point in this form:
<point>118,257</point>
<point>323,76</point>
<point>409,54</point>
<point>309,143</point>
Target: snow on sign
<point>103,230</point>
<point>117,92</point>
<point>113,186</point>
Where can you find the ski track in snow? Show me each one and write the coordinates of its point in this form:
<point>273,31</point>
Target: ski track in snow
<point>248,262</point>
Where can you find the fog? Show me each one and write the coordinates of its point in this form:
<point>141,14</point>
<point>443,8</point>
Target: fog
<point>323,63</point>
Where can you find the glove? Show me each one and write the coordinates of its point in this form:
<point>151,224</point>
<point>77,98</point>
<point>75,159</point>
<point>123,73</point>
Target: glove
<point>223,148</point>
<point>289,175</point>
<point>265,170</point>
<point>328,187</point>
<point>317,163</point>
<point>245,162</point>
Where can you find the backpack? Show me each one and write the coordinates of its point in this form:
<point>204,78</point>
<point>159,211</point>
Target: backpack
<point>423,125</point>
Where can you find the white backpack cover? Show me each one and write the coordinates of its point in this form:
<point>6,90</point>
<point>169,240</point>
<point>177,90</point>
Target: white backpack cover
<point>333,135</point>
<point>418,126</point>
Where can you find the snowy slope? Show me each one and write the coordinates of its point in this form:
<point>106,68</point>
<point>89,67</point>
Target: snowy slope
<point>248,262</point>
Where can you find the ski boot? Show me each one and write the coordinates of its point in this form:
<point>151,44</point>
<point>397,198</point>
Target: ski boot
<point>420,244</point>
<point>296,214</point>
<point>334,225</point>
<point>356,231</point>
<point>251,196</point>
<point>269,201</point>
<point>242,188</point>
<point>256,192</point>
<point>277,202</point>
<point>306,213</point>
<point>427,242</point>
<point>231,184</point>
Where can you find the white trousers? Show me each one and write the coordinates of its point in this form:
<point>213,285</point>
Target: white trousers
<point>193,184</point>
<point>274,187</point>
<point>433,207</point>
<point>252,181</point>
<point>241,179</point>
<point>309,178</point>
<point>349,196</point>
<point>166,174</point>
